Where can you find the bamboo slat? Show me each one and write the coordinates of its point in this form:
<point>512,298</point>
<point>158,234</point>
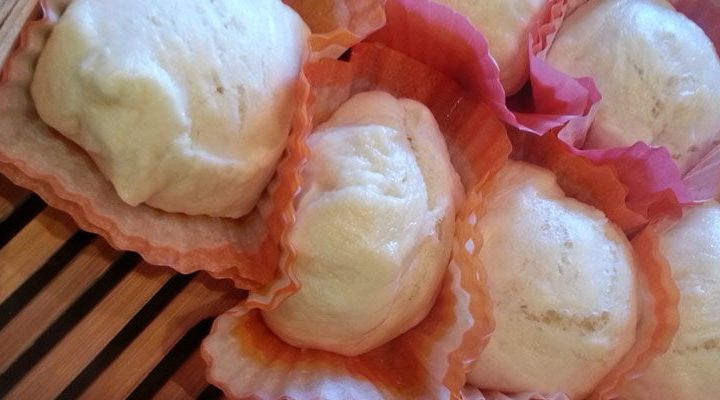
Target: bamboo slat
<point>32,247</point>
<point>87,339</point>
<point>10,197</point>
<point>13,14</point>
<point>53,300</point>
<point>186,382</point>
<point>201,299</point>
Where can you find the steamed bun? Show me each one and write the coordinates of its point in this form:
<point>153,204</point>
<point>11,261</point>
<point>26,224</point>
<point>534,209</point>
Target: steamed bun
<point>690,369</point>
<point>374,227</point>
<point>505,24</point>
<point>183,105</point>
<point>562,280</point>
<point>658,73</point>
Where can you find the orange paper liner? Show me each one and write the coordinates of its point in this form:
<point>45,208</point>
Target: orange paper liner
<point>448,42</point>
<point>599,186</point>
<point>338,25</point>
<point>658,315</point>
<point>430,360</point>
<point>604,181</point>
<point>32,155</point>
<point>553,102</point>
<point>653,182</point>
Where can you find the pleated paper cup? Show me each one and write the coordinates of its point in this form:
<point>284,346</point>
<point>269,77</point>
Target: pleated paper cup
<point>430,360</point>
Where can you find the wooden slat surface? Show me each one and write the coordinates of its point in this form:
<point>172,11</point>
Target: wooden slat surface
<point>79,319</point>
<point>185,382</point>
<point>10,197</point>
<point>13,14</point>
<point>53,300</point>
<point>32,247</point>
<point>192,305</point>
<point>70,356</point>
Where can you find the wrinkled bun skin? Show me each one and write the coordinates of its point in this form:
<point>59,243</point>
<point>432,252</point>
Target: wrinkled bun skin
<point>657,71</point>
<point>562,280</point>
<point>690,368</point>
<point>374,229</point>
<point>185,105</point>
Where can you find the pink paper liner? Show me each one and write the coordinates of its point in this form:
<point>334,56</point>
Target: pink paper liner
<point>446,41</point>
<point>553,102</point>
<point>34,156</point>
<point>431,359</point>
<point>649,172</point>
<point>705,13</point>
<point>630,185</point>
<point>653,181</point>
<point>601,186</point>
<point>556,99</point>
<point>655,186</point>
<point>703,180</point>
<point>338,25</point>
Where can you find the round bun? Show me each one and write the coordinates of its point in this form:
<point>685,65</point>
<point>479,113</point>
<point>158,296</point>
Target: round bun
<point>374,227</point>
<point>657,71</point>
<point>689,369</point>
<point>505,24</point>
<point>183,105</point>
<point>562,280</point>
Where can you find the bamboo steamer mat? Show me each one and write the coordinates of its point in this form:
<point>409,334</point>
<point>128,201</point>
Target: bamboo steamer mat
<point>79,319</point>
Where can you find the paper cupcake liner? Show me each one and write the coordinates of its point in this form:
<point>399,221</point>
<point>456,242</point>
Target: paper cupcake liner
<point>601,186</point>
<point>703,180</point>
<point>633,186</point>
<point>700,183</point>
<point>556,100</point>
<point>655,186</point>
<point>471,393</point>
<point>553,102</point>
<point>649,173</point>
<point>338,25</point>
<point>447,41</point>
<point>34,156</point>
<point>246,359</point>
<point>431,359</point>
<point>658,315</point>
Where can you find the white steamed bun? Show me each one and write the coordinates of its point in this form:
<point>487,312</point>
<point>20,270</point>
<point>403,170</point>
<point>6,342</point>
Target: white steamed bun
<point>183,105</point>
<point>658,73</point>
<point>562,280</point>
<point>374,227</point>
<point>505,25</point>
<point>690,369</point>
